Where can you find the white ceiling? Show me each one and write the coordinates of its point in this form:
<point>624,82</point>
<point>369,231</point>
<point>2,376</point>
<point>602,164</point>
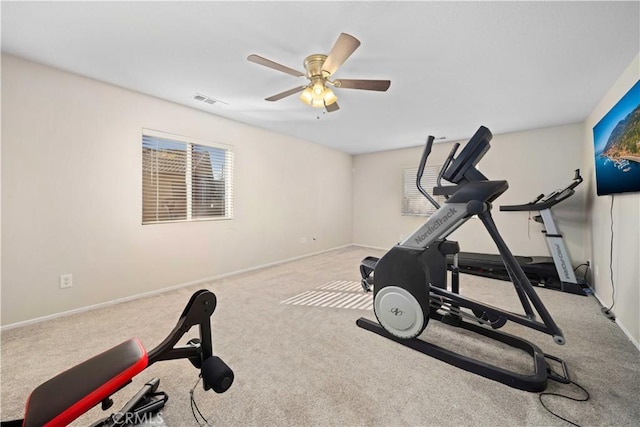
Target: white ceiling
<point>453,65</point>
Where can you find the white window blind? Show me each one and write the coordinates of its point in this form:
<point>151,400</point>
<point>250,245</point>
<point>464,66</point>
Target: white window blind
<point>413,202</point>
<point>184,179</point>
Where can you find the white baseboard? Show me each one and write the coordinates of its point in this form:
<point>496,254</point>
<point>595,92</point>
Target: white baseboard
<point>370,247</point>
<point>627,333</point>
<point>620,325</point>
<point>158,291</point>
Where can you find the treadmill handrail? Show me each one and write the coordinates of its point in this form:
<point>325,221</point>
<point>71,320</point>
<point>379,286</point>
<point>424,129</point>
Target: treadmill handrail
<point>553,199</point>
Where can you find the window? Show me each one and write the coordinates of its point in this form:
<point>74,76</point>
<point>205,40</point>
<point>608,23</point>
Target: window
<point>184,179</point>
<point>413,202</point>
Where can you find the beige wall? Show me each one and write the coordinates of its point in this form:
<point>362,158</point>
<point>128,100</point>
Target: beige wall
<point>66,138</point>
<point>71,195</point>
<point>626,224</point>
<point>533,162</point>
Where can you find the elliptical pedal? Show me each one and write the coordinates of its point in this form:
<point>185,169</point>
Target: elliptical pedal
<point>367,266</point>
<point>367,286</point>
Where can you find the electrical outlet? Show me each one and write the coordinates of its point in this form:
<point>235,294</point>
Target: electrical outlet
<point>66,281</point>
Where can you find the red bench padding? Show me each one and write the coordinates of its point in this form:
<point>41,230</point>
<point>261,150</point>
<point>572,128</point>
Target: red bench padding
<point>70,394</point>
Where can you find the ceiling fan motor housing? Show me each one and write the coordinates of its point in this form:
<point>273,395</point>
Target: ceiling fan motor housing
<point>313,66</point>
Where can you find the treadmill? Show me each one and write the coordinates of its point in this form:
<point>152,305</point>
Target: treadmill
<point>554,272</point>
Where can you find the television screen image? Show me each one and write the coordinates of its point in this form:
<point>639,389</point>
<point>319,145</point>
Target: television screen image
<point>616,141</point>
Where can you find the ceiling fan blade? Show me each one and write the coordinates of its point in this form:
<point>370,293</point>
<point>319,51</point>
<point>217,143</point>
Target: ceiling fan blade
<point>285,93</point>
<point>341,50</point>
<point>279,67</point>
<point>332,107</point>
<point>379,85</point>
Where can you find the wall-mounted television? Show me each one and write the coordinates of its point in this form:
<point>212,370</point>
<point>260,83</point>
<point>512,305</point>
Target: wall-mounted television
<point>616,140</point>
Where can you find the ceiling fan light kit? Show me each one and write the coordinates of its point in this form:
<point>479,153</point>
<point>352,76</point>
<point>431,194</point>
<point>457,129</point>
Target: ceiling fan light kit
<point>318,69</point>
<point>318,97</point>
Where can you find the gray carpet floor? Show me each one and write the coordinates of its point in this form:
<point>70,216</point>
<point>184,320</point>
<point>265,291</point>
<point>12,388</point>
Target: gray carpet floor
<point>289,333</point>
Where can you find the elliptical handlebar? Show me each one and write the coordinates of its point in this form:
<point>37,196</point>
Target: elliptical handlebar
<point>423,162</point>
<point>425,155</point>
<point>447,162</point>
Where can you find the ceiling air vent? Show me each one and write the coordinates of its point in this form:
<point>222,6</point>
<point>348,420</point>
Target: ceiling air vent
<point>207,99</point>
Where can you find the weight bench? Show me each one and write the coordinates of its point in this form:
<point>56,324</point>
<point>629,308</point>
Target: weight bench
<point>70,394</point>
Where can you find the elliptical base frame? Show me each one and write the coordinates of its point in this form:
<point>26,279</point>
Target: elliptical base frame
<point>535,382</point>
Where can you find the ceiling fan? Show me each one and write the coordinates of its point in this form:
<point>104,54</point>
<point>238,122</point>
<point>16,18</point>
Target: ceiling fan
<point>319,68</point>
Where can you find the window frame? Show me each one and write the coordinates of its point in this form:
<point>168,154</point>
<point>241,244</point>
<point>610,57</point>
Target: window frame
<point>189,143</point>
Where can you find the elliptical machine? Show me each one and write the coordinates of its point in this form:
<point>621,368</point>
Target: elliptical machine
<point>410,285</point>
